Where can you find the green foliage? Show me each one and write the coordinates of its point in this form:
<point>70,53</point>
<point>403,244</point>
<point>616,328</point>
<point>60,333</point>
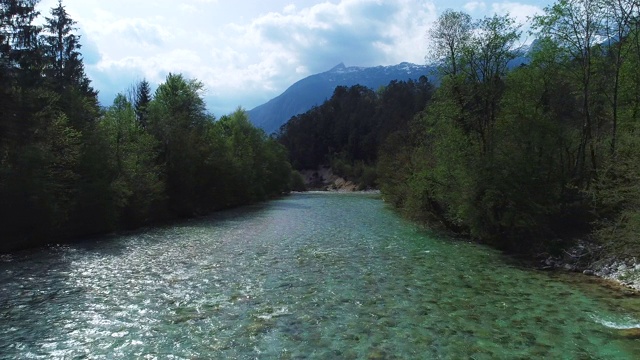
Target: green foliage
<point>394,168</point>
<point>178,120</point>
<point>357,172</point>
<point>546,151</point>
<point>518,159</point>
<point>137,186</point>
<point>449,36</point>
<point>259,164</point>
<point>141,103</point>
<point>62,148</point>
<point>63,68</point>
<point>68,168</point>
<point>488,159</point>
<point>296,181</point>
<point>39,174</point>
<point>616,198</point>
<point>95,210</point>
<point>347,130</point>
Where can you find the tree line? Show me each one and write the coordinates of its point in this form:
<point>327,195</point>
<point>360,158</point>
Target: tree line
<point>346,131</point>
<point>69,168</point>
<point>533,158</point>
<point>527,159</point>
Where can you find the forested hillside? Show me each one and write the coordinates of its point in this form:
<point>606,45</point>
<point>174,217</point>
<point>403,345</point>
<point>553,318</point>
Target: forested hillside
<point>347,130</point>
<point>70,168</point>
<point>529,159</point>
<point>315,89</point>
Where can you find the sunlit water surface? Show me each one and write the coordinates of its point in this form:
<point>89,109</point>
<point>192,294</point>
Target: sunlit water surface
<point>327,276</point>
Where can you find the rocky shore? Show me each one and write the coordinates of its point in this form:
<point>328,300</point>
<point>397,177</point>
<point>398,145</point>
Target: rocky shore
<point>587,258</point>
<point>323,179</point>
<point>625,272</point>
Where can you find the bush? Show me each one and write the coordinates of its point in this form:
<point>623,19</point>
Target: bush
<point>296,182</point>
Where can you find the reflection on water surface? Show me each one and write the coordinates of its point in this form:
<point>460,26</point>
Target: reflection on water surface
<point>310,276</point>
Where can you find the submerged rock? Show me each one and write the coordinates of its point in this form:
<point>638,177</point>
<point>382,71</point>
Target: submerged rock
<point>633,333</point>
<point>376,354</point>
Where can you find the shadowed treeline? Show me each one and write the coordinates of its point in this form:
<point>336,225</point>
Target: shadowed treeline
<point>70,168</point>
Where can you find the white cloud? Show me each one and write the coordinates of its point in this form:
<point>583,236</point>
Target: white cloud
<point>519,11</point>
<point>289,9</point>
<point>188,8</point>
<point>270,52</point>
<point>474,5</point>
<point>358,32</point>
<point>247,52</point>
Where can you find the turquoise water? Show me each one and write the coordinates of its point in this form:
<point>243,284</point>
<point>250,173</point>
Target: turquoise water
<point>311,276</point>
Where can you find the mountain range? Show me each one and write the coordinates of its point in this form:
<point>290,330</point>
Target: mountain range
<point>315,89</point>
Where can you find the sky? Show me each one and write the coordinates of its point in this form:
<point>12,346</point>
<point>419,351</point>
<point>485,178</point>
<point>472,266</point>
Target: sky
<point>247,52</point>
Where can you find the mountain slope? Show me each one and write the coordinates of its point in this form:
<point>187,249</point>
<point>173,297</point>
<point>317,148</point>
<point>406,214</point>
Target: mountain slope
<point>315,89</point>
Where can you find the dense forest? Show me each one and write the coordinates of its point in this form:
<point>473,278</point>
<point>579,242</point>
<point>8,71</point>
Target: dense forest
<point>70,168</point>
<point>527,159</point>
<point>348,129</point>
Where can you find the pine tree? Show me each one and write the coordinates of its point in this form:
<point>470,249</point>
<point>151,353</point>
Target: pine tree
<point>18,65</point>
<point>64,69</point>
<point>142,100</point>
<point>61,46</point>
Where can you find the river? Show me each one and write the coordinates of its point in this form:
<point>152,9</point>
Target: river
<point>310,276</point>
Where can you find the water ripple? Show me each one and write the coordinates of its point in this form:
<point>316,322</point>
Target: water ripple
<point>309,276</point>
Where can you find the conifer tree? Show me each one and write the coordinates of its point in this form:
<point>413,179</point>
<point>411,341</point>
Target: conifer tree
<point>62,50</point>
<point>142,100</point>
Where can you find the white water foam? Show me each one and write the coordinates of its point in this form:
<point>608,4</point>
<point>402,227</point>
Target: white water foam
<point>626,323</point>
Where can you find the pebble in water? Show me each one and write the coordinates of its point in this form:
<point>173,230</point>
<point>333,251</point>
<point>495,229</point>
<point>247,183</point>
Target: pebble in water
<point>307,276</point>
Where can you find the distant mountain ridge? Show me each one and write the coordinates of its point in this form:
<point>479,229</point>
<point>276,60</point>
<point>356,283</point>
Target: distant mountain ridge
<point>315,89</point>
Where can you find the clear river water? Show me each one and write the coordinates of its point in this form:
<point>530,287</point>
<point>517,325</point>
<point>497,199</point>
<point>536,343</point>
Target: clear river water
<point>310,276</point>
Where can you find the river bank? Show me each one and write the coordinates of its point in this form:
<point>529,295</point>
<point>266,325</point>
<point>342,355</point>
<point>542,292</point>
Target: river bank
<point>584,257</point>
<point>624,272</point>
<point>324,179</point>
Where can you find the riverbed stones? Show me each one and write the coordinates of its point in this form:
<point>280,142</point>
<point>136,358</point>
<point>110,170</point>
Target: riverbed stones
<point>377,354</point>
<point>623,272</point>
<point>622,267</point>
<point>633,333</point>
